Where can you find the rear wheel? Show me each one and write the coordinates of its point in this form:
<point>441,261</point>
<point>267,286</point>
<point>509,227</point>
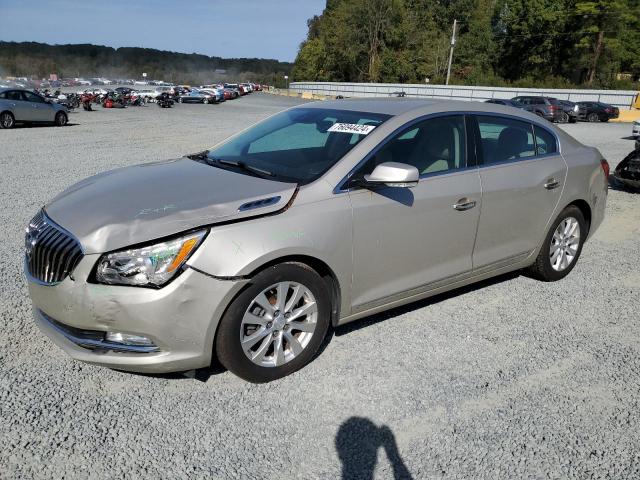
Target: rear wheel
<point>205,101</point>
<point>61,119</point>
<point>593,117</point>
<point>562,246</point>
<point>7,120</point>
<point>276,325</point>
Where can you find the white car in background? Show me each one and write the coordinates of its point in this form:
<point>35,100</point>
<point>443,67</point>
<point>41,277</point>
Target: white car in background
<point>636,128</point>
<point>94,91</point>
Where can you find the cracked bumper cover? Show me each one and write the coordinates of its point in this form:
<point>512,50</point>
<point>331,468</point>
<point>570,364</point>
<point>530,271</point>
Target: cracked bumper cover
<point>180,319</point>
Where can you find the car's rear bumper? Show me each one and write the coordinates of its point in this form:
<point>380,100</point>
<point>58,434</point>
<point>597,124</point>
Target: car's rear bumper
<point>179,319</point>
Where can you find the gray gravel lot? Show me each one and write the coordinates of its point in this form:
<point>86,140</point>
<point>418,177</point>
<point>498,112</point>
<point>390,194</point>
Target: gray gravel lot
<point>513,378</point>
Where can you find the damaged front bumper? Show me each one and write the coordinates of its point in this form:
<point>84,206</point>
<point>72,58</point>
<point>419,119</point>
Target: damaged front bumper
<point>628,170</point>
<point>131,328</point>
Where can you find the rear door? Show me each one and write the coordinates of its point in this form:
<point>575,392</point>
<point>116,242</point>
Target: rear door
<point>522,175</point>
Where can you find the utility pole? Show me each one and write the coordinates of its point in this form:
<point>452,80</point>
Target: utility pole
<point>453,42</point>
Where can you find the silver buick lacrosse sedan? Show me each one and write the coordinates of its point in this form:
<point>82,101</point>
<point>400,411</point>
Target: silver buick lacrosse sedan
<point>319,215</point>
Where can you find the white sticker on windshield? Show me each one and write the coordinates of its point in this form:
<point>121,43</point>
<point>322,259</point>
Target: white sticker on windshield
<point>351,128</point>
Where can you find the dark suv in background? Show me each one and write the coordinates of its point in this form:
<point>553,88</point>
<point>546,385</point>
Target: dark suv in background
<point>598,111</point>
<point>546,107</point>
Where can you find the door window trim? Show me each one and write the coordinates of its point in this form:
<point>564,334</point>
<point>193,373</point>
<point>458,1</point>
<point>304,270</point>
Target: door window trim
<point>534,125</point>
<point>340,188</point>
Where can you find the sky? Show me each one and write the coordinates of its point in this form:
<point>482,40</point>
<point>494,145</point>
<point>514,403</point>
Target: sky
<point>232,28</point>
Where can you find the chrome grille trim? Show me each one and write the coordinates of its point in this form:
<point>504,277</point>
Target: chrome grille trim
<point>51,253</point>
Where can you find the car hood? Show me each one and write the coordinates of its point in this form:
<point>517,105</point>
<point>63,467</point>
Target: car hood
<point>138,204</point>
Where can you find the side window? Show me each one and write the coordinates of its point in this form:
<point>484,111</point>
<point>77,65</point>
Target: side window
<point>503,139</point>
<point>3,95</point>
<point>14,95</point>
<point>294,137</point>
<point>32,97</point>
<point>545,141</point>
<point>432,146</point>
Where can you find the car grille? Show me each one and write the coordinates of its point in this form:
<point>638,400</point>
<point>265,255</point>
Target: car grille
<point>51,252</point>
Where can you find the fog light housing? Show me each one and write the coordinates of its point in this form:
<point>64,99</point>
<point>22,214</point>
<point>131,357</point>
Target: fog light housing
<point>128,339</point>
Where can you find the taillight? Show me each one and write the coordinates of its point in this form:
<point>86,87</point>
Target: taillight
<point>608,110</point>
<point>605,167</point>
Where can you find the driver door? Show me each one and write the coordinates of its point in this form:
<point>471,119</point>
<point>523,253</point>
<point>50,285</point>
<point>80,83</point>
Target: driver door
<point>409,240</point>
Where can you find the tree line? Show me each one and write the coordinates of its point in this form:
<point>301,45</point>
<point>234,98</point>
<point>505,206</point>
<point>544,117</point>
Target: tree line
<point>543,43</point>
<point>86,60</point>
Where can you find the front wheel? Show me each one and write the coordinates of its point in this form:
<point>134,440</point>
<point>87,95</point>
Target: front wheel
<point>276,325</point>
<point>564,118</point>
<point>61,119</point>
<point>562,246</point>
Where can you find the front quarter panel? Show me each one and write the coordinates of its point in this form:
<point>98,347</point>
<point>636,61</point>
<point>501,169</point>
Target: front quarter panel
<point>320,229</point>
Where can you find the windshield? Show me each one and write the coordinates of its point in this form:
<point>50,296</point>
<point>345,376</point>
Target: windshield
<point>298,145</point>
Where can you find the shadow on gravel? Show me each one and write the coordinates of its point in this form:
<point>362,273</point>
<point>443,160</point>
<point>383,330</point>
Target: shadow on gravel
<point>357,442</point>
<point>394,312</point>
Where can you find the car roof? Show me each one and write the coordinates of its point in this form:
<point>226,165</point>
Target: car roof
<point>395,106</point>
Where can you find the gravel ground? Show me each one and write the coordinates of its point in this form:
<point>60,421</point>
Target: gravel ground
<point>512,378</point>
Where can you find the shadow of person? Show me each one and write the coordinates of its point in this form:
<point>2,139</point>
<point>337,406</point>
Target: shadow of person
<point>357,442</point>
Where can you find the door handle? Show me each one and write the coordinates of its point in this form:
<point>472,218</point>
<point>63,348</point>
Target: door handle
<point>464,204</point>
<point>551,184</point>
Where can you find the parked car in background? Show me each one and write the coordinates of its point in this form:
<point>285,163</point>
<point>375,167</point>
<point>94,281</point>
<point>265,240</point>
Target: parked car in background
<point>635,129</point>
<point>240,264</point>
<point>545,107</point>
<point>598,111</point>
<point>124,90</point>
<point>24,106</point>
<point>504,101</point>
<point>570,111</point>
<point>196,95</point>
<point>215,91</point>
<point>93,91</point>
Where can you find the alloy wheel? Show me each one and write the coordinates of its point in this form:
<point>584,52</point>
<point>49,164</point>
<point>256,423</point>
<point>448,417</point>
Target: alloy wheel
<point>6,120</point>
<point>564,244</point>
<point>278,324</point>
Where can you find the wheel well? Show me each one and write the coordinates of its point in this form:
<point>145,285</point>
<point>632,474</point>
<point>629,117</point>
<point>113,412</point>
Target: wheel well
<point>322,269</point>
<point>585,209</point>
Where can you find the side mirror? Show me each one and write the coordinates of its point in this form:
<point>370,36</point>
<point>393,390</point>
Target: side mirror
<point>393,174</point>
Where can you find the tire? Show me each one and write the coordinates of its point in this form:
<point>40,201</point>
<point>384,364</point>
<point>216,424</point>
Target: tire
<point>7,120</point>
<point>593,117</point>
<point>274,330</point>
<point>543,268</point>
<point>61,119</point>
<point>205,101</point>
<point>564,118</point>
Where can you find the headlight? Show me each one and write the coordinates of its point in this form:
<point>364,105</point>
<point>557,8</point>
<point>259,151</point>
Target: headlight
<point>152,265</point>
<point>576,108</point>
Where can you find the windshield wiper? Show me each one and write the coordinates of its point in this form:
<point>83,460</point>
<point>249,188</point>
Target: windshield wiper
<point>241,165</point>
